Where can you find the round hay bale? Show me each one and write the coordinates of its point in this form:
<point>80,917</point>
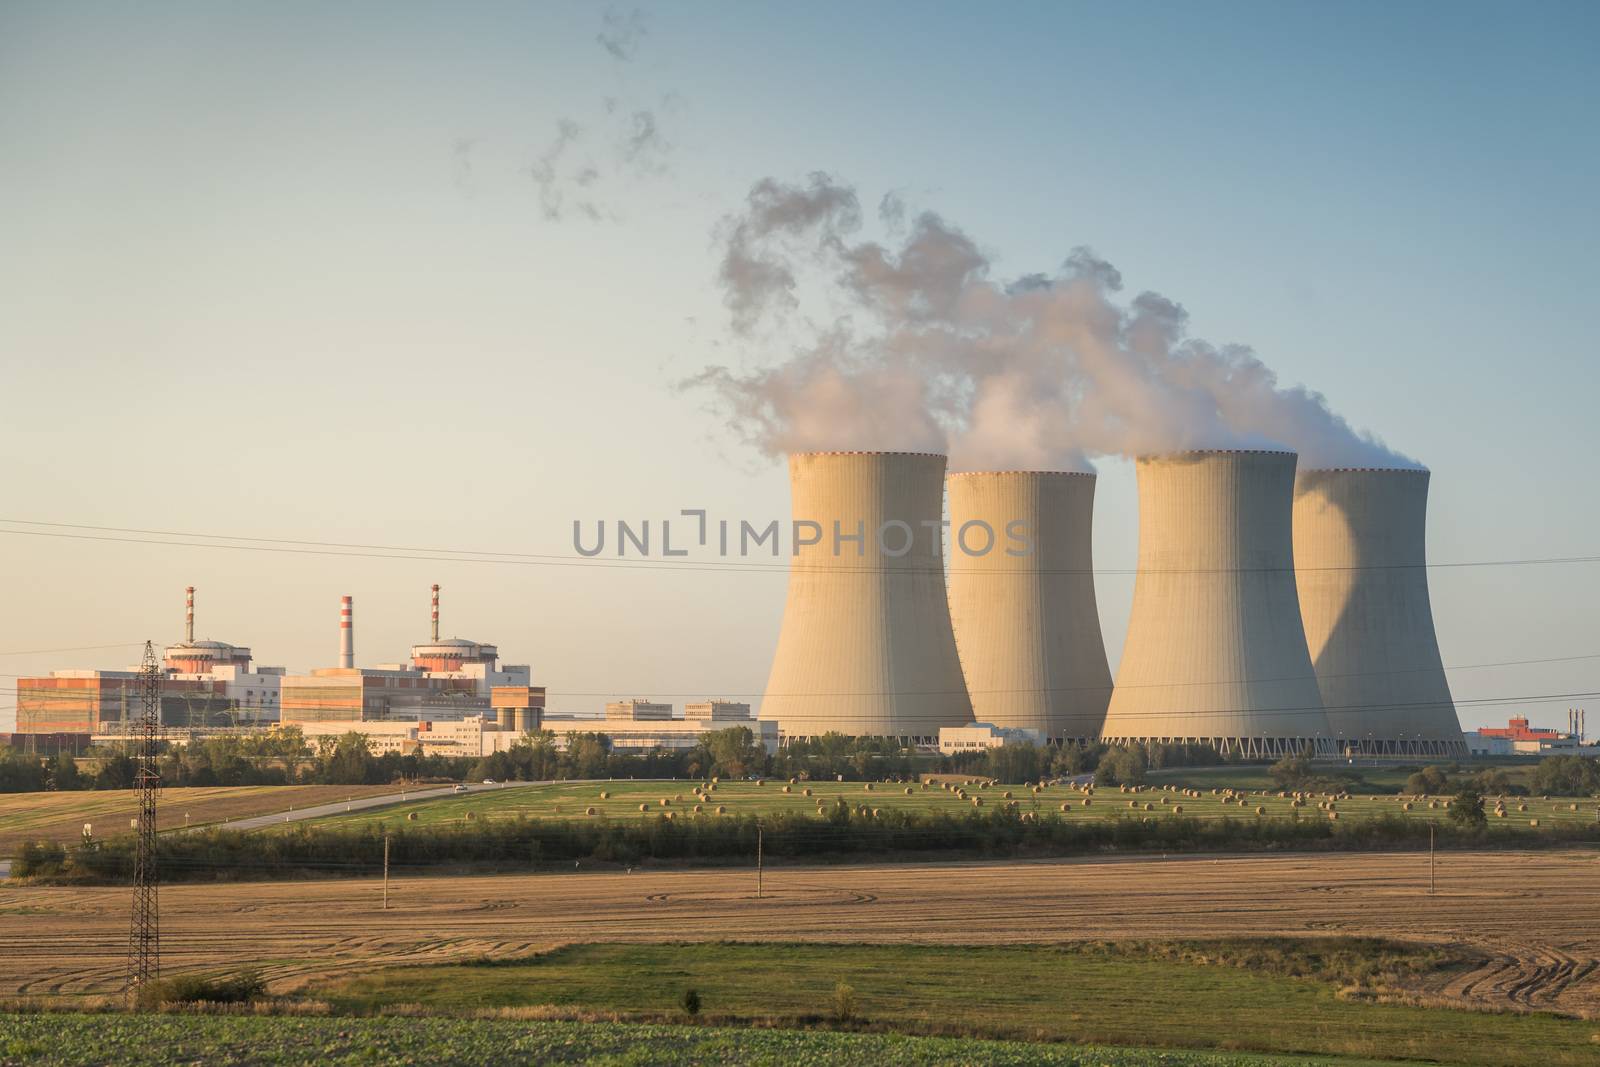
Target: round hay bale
<point>589,810</point>
<point>867,787</point>
<point>1432,804</point>
<point>1149,807</point>
<point>909,790</point>
<point>1500,812</point>
<point>604,795</point>
<point>1406,806</point>
<point>1037,790</point>
<point>1133,803</point>
<point>670,815</point>
<point>1533,822</point>
<point>806,790</point>
<point>722,809</point>
<point>644,807</point>
<point>471,815</point>
<point>1008,796</point>
<point>666,802</point>
<point>788,789</point>
<point>1334,816</point>
<point>698,808</point>
<point>1177,809</point>
<point>876,812</point>
<point>1261,810</point>
<point>1087,802</point>
<point>977,802</point>
<point>1066,805</point>
<point>760,782</point>
<point>1574,807</point>
<point>411,816</point>
<point>1522,807</point>
<point>715,780</point>
<point>794,781</point>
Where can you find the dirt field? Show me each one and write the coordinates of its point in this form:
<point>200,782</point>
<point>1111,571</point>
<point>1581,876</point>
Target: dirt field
<point>1536,913</point>
<point>60,816</point>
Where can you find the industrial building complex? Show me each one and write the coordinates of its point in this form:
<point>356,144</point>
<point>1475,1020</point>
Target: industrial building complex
<point>1275,611</point>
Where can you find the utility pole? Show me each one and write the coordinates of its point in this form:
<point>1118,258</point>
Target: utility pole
<point>385,872</point>
<point>758,861</point>
<point>144,930</point>
<point>1430,855</point>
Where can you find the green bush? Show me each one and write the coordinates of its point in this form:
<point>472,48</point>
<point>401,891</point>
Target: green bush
<point>844,1002</point>
<point>691,1002</point>
<point>196,989</point>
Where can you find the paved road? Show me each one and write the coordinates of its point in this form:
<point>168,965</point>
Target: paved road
<point>362,804</point>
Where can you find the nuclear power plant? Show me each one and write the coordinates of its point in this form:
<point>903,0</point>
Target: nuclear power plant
<point>866,646</point>
<point>1216,652</point>
<point>1025,620</point>
<point>1361,568</point>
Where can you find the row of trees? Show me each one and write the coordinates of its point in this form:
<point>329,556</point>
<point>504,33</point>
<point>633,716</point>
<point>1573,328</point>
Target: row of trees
<point>285,757</point>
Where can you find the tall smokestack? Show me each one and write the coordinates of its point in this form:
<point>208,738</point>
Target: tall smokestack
<point>188,615</point>
<point>347,637</point>
<point>866,648</point>
<point>436,613</point>
<point>1361,569</point>
<point>1024,617</point>
<point>1216,651</point>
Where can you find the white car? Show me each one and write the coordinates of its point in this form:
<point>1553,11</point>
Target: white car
<point>488,781</point>
<point>460,787</point>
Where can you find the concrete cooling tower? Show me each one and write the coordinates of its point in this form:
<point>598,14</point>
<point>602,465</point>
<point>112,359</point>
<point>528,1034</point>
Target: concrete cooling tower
<point>866,647</point>
<point>1361,567</point>
<point>1025,619</point>
<point>1216,652</point>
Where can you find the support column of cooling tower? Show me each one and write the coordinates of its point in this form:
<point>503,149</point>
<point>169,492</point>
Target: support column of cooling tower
<point>347,638</point>
<point>1361,566</point>
<point>1025,619</point>
<point>1216,651</point>
<point>866,647</point>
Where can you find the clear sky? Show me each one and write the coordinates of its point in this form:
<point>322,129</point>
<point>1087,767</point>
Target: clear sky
<point>307,271</point>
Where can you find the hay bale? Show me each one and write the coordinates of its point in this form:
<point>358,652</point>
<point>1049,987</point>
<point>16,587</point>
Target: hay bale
<point>909,790</point>
<point>666,802</point>
<point>876,812</point>
<point>1533,822</point>
<point>644,807</point>
<point>1066,805</point>
<point>1177,809</point>
<point>1008,796</point>
<point>977,802</point>
<point>1333,815</point>
<point>411,816</point>
<point>760,782</point>
<point>589,810</point>
<point>471,815</point>
<point>670,815</point>
<point>1261,810</point>
<point>1133,803</point>
<point>806,791</point>
<point>604,795</point>
<point>1574,807</point>
<point>794,781</point>
<point>788,789</point>
<point>1149,807</point>
<point>1087,802</point>
<point>867,787</point>
<point>722,809</point>
<point>1406,806</point>
<point>698,808</point>
<point>1522,807</point>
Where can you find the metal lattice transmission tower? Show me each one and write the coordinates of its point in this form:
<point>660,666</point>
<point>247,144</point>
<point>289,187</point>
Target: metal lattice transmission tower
<point>144,930</point>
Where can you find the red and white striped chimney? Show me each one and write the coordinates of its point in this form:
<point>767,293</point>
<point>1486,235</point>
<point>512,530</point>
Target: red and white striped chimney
<point>436,613</point>
<point>188,616</point>
<point>347,636</point>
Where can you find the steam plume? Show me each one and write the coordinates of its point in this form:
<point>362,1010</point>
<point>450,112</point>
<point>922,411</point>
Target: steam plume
<point>925,348</point>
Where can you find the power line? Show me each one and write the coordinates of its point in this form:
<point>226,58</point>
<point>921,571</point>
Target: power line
<point>453,555</point>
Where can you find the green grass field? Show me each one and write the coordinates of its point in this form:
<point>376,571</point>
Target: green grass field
<point>634,800</point>
<point>59,1040</point>
<point>1384,778</point>
<point>1241,998</point>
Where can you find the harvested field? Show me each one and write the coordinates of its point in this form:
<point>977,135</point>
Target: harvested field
<point>1534,914</point>
<point>60,816</point>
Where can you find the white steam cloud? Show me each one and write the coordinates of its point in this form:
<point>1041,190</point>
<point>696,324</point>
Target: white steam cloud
<point>924,349</point>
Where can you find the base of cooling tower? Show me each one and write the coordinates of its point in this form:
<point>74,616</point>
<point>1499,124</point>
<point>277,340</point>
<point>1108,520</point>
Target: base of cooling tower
<point>1250,748</point>
<point>1403,749</point>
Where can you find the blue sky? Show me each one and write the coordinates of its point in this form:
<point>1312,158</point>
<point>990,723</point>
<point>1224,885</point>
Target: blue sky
<point>281,270</point>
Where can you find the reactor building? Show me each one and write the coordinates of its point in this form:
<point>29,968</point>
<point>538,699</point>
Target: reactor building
<point>1024,615</point>
<point>1361,569</point>
<point>1216,651</point>
<point>866,648</point>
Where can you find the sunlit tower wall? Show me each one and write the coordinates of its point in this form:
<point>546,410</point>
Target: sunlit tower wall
<point>1360,558</point>
<point>1024,614</point>
<point>1216,653</point>
<point>865,648</point>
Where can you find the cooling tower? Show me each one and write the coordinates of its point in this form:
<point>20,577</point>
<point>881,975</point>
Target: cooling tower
<point>1361,567</point>
<point>1024,611</point>
<point>1216,653</point>
<point>866,647</point>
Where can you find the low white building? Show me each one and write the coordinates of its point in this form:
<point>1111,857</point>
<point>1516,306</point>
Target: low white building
<point>984,735</point>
